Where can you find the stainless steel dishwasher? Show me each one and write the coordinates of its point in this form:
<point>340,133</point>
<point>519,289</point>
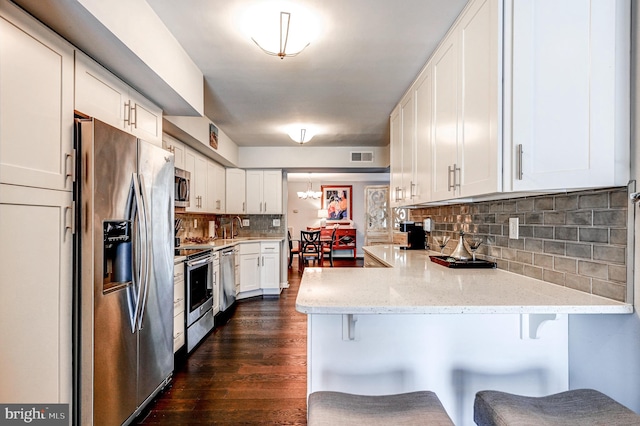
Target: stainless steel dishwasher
<point>227,279</point>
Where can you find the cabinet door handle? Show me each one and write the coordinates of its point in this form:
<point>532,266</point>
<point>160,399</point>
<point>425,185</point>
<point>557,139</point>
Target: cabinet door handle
<point>265,206</point>
<point>127,112</point>
<point>134,122</point>
<point>243,203</point>
<point>519,161</point>
<point>411,190</point>
<point>69,220</point>
<point>450,171</point>
<point>457,179</point>
<point>70,165</point>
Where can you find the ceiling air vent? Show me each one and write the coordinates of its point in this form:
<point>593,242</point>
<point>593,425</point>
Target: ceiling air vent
<point>362,157</point>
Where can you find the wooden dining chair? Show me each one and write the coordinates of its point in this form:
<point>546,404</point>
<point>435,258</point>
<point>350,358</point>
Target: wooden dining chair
<point>327,246</point>
<point>310,248</point>
<point>294,248</point>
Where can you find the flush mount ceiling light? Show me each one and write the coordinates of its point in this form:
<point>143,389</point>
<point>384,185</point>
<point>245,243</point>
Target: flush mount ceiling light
<point>285,22</point>
<point>301,135</point>
<point>296,30</point>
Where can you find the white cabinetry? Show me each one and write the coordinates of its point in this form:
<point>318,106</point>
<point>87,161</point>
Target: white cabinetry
<point>178,306</point>
<point>216,179</point>
<point>177,148</point>
<point>196,164</point>
<point>249,267</point>
<point>264,191</point>
<point>270,267</point>
<point>235,191</point>
<point>36,210</point>
<point>36,106</point>
<point>102,95</point>
<point>467,154</point>
<point>525,96</point>
<point>411,144</point>
<point>570,91</point>
<point>35,298</point>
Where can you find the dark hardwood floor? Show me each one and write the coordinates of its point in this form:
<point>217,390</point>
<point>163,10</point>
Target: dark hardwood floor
<point>250,371</point>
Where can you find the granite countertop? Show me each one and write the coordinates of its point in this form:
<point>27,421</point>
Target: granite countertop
<point>412,284</point>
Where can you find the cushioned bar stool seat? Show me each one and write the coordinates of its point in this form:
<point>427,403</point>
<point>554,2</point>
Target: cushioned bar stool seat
<point>580,407</point>
<point>344,409</point>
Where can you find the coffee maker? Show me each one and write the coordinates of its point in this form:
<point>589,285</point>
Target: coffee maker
<point>415,235</point>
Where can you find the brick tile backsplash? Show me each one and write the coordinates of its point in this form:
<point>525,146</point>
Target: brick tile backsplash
<point>577,240</point>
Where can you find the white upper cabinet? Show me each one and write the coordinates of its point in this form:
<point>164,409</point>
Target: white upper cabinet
<point>396,158</point>
<point>102,95</point>
<point>423,93</point>
<point>216,179</point>
<point>196,164</point>
<point>570,94</point>
<point>467,150</point>
<point>177,148</point>
<point>445,120</point>
<point>235,191</point>
<point>264,191</point>
<point>523,96</point>
<point>36,106</point>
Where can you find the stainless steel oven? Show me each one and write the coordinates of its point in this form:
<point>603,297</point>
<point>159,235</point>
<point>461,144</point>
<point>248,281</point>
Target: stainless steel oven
<point>199,294</point>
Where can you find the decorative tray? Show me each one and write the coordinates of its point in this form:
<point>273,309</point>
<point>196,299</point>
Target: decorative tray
<point>451,262</point>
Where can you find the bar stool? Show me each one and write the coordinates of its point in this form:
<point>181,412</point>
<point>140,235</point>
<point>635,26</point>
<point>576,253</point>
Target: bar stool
<point>580,407</point>
<point>328,408</point>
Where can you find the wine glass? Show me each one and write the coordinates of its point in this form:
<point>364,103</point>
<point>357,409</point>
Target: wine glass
<point>474,242</point>
<point>441,241</point>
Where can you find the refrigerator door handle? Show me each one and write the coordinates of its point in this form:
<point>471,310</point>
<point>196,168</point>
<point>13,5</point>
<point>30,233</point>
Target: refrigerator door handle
<point>146,253</point>
<point>140,243</point>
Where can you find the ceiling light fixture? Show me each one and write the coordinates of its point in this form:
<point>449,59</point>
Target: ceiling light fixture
<point>285,23</point>
<point>301,135</point>
<point>310,193</point>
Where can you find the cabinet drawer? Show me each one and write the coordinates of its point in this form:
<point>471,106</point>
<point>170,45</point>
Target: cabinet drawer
<point>178,298</point>
<point>249,248</point>
<point>270,247</point>
<point>178,332</point>
<point>178,272</point>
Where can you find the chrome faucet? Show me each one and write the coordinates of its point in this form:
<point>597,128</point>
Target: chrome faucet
<point>239,223</point>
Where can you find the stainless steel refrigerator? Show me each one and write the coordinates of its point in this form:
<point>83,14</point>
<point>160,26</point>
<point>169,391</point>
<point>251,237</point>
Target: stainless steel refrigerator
<point>124,273</point>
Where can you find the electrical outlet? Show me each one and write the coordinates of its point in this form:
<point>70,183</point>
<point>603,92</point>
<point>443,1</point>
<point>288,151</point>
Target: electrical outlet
<point>195,223</point>
<point>245,222</point>
<point>513,228</point>
<point>276,222</point>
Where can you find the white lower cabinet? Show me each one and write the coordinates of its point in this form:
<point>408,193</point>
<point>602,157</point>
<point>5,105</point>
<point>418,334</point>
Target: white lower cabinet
<point>270,267</point>
<point>179,301</point>
<point>259,269</point>
<point>249,267</point>
<point>35,295</point>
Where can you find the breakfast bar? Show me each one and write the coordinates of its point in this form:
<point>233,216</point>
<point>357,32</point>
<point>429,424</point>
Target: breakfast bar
<point>417,325</point>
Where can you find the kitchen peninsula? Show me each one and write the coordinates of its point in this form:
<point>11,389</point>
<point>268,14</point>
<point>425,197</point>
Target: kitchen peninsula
<point>418,325</point>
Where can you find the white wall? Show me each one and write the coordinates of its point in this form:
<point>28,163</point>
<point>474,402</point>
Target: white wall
<point>604,350</point>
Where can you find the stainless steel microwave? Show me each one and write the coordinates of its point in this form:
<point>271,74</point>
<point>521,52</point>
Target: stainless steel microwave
<point>182,188</point>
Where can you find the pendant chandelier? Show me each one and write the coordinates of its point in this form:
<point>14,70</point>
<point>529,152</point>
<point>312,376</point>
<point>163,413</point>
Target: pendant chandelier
<point>310,193</point>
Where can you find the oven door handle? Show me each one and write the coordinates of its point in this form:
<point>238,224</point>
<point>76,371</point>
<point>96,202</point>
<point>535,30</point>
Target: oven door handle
<point>194,263</point>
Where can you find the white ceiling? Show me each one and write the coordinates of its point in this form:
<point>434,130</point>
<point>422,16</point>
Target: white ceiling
<point>347,81</point>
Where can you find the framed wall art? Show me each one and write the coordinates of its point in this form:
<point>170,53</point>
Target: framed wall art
<point>336,199</point>
<point>213,136</point>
